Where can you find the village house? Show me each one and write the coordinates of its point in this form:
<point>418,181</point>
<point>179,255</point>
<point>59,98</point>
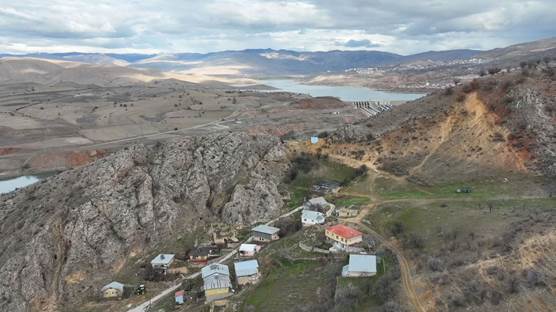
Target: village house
<point>326,187</point>
<point>216,282</point>
<point>265,233</point>
<point>309,217</point>
<point>162,262</point>
<point>343,235</point>
<point>247,272</point>
<point>113,290</point>
<point>348,212</point>
<point>248,250</point>
<point>202,254</point>
<point>319,204</point>
<point>360,265</point>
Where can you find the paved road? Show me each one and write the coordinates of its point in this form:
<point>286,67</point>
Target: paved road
<point>147,304</point>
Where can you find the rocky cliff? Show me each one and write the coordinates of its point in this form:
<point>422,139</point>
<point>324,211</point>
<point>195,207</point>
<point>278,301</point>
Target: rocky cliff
<point>61,238</point>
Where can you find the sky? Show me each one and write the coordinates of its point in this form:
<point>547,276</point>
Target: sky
<point>154,26</point>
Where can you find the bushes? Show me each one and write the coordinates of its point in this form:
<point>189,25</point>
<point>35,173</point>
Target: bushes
<point>435,264</point>
<point>493,70</point>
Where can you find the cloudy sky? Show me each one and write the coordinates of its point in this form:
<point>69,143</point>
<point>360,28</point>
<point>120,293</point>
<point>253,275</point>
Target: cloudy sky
<point>402,26</point>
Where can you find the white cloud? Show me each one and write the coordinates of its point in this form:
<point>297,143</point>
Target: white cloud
<point>403,26</point>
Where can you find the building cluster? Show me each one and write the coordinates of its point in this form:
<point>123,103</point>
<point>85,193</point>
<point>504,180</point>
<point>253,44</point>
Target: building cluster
<point>218,278</point>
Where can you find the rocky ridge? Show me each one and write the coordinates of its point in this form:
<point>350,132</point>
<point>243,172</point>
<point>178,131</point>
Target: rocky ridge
<point>64,236</point>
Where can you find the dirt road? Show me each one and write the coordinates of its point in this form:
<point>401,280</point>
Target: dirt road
<point>405,270</point>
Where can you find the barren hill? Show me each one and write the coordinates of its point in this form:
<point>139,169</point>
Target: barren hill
<point>504,123</point>
<point>43,71</point>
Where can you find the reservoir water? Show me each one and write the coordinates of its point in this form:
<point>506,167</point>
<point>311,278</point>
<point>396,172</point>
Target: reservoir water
<point>345,93</point>
<point>9,185</point>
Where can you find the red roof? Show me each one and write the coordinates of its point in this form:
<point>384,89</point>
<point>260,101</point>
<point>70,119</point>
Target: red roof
<point>344,231</point>
<point>180,293</point>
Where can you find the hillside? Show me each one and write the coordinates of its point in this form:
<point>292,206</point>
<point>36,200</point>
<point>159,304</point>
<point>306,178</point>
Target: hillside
<point>48,71</point>
<point>66,236</point>
<point>461,184</point>
<point>498,124</point>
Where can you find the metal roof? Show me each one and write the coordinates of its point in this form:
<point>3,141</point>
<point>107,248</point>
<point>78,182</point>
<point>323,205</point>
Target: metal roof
<point>266,229</point>
<point>318,201</point>
<point>217,281</point>
<point>248,247</point>
<point>246,268</point>
<point>362,263</point>
<point>312,215</point>
<point>214,269</point>
<point>163,259</point>
<point>115,285</point>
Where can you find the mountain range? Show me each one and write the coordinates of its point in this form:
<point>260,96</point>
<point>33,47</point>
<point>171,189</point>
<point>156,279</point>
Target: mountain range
<point>270,62</point>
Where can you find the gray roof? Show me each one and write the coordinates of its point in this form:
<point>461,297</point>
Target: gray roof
<point>217,281</point>
<point>266,229</point>
<point>214,269</point>
<point>318,201</point>
<point>163,259</point>
<point>312,215</point>
<point>114,285</point>
<point>362,263</point>
<point>246,268</point>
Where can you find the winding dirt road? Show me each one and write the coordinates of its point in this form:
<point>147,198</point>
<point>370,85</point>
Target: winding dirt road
<point>405,270</point>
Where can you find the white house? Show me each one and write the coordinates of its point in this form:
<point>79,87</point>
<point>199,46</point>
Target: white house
<point>112,290</point>
<point>360,265</point>
<point>162,261</point>
<point>247,272</point>
<point>309,217</point>
<point>248,250</point>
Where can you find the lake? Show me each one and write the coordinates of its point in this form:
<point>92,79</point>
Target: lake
<point>9,185</point>
<point>344,93</point>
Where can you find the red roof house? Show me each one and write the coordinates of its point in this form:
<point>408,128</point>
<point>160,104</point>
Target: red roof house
<point>344,234</point>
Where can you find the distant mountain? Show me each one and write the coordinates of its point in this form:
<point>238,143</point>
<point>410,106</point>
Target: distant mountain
<point>523,51</point>
<point>270,62</point>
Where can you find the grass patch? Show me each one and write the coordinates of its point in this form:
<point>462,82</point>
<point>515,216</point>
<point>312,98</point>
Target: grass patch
<point>517,185</point>
<point>291,281</point>
<point>428,219</point>
<point>350,200</point>
<point>320,169</point>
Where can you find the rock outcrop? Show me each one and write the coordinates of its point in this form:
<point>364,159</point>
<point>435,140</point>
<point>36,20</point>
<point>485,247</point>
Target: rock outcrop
<point>63,237</point>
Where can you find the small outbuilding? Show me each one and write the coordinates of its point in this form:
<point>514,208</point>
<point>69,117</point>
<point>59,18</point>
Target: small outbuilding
<point>216,282</point>
<point>162,262</point>
<point>320,204</point>
<point>113,290</point>
<point>248,250</point>
<point>309,217</point>
<point>247,272</point>
<point>326,187</point>
<point>265,233</point>
<point>202,254</point>
<point>180,297</point>
<point>359,266</point>
<point>314,139</point>
<point>344,235</point>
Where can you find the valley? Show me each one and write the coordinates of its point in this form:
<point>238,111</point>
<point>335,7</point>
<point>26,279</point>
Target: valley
<point>146,184</point>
